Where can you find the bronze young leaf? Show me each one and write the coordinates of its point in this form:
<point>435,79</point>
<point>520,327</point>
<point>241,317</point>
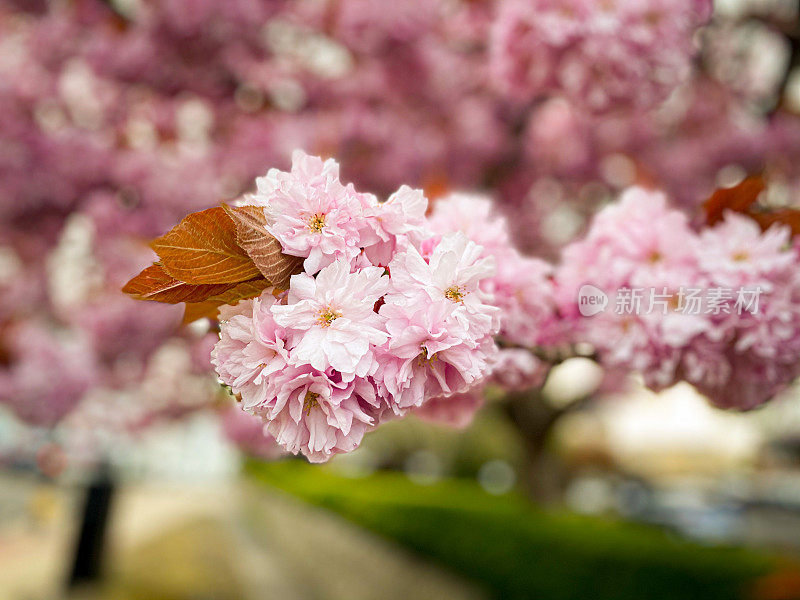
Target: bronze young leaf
<point>154,283</point>
<point>738,198</point>
<point>209,308</point>
<point>264,250</point>
<point>742,198</point>
<point>202,249</point>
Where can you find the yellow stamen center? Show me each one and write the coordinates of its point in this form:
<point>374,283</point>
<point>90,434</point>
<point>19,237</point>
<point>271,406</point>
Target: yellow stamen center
<point>674,302</point>
<point>653,17</point>
<point>454,294</point>
<point>316,222</point>
<point>741,256</point>
<point>310,402</point>
<point>424,359</point>
<point>328,316</point>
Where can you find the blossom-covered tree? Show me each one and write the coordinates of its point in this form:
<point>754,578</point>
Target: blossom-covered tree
<point>119,118</point>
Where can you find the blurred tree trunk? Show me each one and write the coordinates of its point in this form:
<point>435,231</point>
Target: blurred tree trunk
<point>534,418</point>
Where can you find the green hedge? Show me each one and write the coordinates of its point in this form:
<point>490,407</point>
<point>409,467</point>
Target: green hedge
<point>518,551</point>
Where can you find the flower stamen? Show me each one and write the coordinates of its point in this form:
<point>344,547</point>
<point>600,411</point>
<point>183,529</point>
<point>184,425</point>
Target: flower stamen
<point>741,256</point>
<point>316,222</point>
<point>454,293</point>
<point>424,359</point>
<point>310,401</point>
<point>328,316</point>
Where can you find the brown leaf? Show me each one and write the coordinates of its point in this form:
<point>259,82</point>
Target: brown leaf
<point>264,250</point>
<point>154,283</point>
<point>738,198</point>
<point>784,216</point>
<point>742,198</point>
<point>202,249</point>
<point>209,308</point>
<point>436,185</point>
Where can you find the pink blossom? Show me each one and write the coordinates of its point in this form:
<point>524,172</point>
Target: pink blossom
<point>751,353</point>
<point>457,410</point>
<point>475,216</point>
<point>429,353</point>
<point>524,292</point>
<point>331,320</point>
<point>451,275</point>
<point>310,212</point>
<point>309,412</point>
<point>558,139</point>
<point>737,253</point>
<point>252,348</point>
<point>48,375</point>
<point>371,25</point>
<point>391,224</point>
<point>638,243</point>
<point>629,54</point>
<point>521,286</point>
<point>521,59</point>
<point>740,349</point>
<point>518,369</point>
<point>118,327</point>
<point>304,409</point>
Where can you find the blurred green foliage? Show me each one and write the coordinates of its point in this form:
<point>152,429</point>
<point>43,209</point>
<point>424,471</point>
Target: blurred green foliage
<point>461,452</point>
<point>516,550</point>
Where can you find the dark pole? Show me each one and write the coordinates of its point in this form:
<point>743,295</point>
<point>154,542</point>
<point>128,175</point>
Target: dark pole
<point>88,554</point>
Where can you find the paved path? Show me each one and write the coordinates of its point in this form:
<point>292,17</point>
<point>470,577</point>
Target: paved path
<point>225,541</point>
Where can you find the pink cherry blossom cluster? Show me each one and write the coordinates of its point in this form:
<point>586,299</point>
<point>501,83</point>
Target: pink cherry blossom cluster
<point>521,286</point>
<point>385,318</point>
<point>602,55</point>
<point>739,359</point>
